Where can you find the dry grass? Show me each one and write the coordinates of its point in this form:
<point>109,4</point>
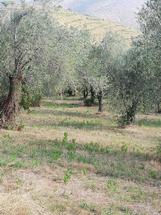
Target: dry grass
<point>121,176</point>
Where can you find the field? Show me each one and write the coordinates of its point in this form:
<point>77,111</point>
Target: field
<point>68,159</point>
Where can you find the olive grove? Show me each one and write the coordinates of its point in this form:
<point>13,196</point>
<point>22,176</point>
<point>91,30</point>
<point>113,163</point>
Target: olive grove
<point>39,57</point>
<point>35,51</point>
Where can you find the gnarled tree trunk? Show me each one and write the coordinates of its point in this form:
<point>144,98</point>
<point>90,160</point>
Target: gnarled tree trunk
<point>11,105</point>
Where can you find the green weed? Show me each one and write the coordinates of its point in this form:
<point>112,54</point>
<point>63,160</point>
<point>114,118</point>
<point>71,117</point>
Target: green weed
<point>65,138</point>
<point>119,210</point>
<point>89,207</point>
<point>124,148</point>
<point>111,185</point>
<point>67,175</point>
<point>60,208</point>
<point>56,155</point>
<point>153,174</point>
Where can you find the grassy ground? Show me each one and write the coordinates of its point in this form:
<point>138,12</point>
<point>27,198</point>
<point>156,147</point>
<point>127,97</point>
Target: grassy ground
<point>70,160</point>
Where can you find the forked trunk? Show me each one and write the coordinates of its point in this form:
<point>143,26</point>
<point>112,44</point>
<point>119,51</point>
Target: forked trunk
<point>100,102</point>
<point>11,105</point>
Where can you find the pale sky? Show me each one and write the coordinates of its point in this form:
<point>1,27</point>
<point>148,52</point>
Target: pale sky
<point>67,3</point>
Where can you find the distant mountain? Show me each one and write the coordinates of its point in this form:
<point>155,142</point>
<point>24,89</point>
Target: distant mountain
<point>96,27</point>
<point>122,11</point>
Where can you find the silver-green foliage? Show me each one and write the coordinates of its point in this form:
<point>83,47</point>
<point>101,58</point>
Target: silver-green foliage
<point>150,25</point>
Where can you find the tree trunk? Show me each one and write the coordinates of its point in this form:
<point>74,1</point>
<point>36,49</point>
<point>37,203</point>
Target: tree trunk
<point>93,95</point>
<point>100,102</point>
<point>11,105</point>
<point>85,95</point>
<point>130,114</point>
<point>158,108</point>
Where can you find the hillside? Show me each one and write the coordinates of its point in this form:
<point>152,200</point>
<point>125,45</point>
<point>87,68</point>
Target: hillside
<point>97,27</point>
<point>122,11</point>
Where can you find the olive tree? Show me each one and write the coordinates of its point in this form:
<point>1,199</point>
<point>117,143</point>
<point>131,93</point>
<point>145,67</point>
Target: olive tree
<point>137,84</point>
<point>150,26</point>
<point>27,42</point>
<point>129,85</point>
<point>77,47</point>
<point>125,72</point>
<point>92,76</point>
<point>97,76</point>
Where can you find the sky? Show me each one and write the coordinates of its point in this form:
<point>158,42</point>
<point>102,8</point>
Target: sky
<point>78,5</point>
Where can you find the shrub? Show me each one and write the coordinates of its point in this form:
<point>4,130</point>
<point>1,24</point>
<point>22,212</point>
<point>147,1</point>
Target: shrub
<point>30,98</point>
<point>25,99</point>
<point>88,102</point>
<point>36,99</point>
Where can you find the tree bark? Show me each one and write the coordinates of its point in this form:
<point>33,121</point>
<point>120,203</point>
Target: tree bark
<point>11,105</point>
<point>100,102</point>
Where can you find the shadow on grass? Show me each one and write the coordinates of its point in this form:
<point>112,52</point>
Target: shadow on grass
<point>67,113</point>
<point>51,104</point>
<point>74,124</point>
<point>87,120</point>
<point>156,123</point>
<point>71,98</point>
<point>107,161</point>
